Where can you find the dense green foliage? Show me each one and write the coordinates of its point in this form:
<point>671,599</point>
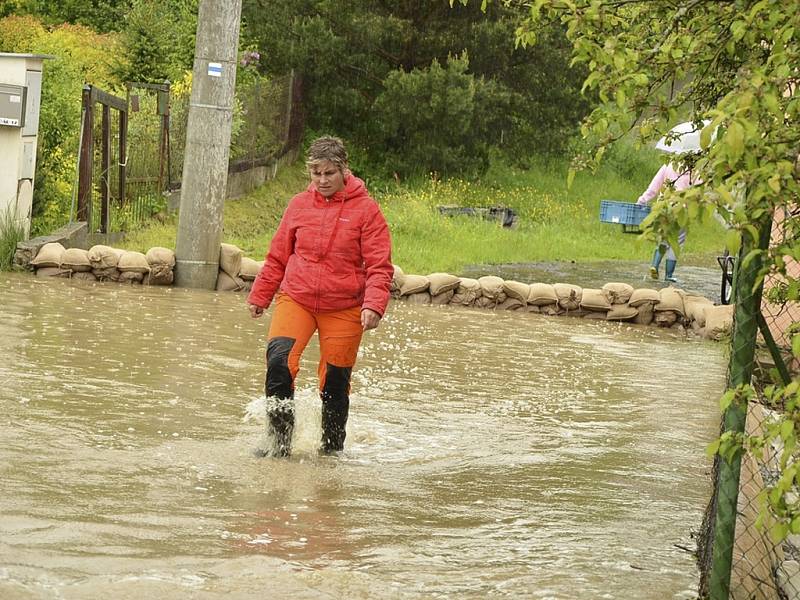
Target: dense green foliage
<point>158,37</point>
<point>80,56</point>
<point>100,15</point>
<point>419,86</point>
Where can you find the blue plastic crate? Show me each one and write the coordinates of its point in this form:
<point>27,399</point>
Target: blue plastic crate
<point>627,214</point>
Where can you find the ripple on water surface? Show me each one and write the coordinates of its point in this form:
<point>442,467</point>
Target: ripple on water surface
<point>487,454</point>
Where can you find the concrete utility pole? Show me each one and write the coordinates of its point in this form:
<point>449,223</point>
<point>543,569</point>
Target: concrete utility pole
<point>208,137</point>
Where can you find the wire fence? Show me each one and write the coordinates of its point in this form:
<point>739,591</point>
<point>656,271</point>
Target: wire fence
<point>267,126</point>
<point>744,551</point>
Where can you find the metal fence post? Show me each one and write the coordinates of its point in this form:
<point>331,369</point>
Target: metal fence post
<point>740,370</point>
<point>85,171</point>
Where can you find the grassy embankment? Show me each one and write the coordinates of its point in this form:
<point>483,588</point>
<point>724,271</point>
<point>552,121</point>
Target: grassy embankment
<point>555,224</point>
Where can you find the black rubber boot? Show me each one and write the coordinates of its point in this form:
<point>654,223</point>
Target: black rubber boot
<point>279,390</point>
<point>335,408</point>
<point>280,427</point>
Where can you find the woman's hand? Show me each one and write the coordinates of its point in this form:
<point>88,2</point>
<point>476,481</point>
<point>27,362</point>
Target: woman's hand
<point>369,319</point>
<point>257,311</point>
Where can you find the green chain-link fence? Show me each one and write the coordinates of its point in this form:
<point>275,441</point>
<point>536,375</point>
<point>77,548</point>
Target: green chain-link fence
<point>740,555</point>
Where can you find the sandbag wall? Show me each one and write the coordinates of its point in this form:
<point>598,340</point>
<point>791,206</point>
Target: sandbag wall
<point>156,267</point>
<point>668,307</point>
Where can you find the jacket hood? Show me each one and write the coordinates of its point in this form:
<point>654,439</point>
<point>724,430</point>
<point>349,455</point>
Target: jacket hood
<point>353,186</point>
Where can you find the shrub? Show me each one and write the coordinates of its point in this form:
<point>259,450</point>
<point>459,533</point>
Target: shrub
<point>11,233</point>
<point>428,119</point>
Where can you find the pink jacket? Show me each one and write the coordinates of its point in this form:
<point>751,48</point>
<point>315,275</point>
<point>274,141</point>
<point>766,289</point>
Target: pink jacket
<point>666,174</point>
<point>329,254</point>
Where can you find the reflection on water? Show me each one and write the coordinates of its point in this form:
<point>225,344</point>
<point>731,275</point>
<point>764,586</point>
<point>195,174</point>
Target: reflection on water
<point>488,454</point>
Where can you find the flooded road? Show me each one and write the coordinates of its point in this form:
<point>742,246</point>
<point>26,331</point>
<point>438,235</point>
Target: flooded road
<point>488,455</point>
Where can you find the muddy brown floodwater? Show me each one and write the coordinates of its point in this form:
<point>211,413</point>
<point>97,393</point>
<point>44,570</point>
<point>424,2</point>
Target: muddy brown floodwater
<point>488,454</point>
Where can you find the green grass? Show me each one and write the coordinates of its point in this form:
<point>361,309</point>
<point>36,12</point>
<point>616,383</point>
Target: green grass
<point>11,233</point>
<point>555,223</point>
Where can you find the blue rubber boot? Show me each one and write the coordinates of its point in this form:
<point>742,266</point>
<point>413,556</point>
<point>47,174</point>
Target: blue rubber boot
<point>669,275</point>
<point>657,255</point>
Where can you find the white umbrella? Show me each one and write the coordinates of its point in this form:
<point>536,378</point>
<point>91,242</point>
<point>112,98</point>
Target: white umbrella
<point>684,137</point>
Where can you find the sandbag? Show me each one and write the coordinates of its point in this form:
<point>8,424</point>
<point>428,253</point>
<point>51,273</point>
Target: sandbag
<point>551,310</point>
<point>107,273</point>
<point>467,292</point>
<point>160,274</point>
<point>133,262</point>
<point>595,299</point>
<point>510,303</point>
<point>670,299</point>
<point>542,294</point>
<point>414,284</point>
<point>49,255</point>
<point>160,256</point>
<point>419,298</point>
<point>76,259</point>
<point>617,293</point>
<point>491,287</point>
<point>230,259</point>
<point>645,314</point>
<point>442,298</point>
<point>227,283</point>
<point>665,318</point>
<point>518,291</point>
<point>398,278</point>
<point>642,295</point>
<point>569,296</point>
<point>83,276</point>
<point>131,276</point>
<point>719,321</point>
<point>250,268</point>
<point>596,315</point>
<point>442,282</point>
<point>103,257</point>
<point>51,272</point>
<point>484,302</point>
<point>621,312</point>
<point>695,306</point>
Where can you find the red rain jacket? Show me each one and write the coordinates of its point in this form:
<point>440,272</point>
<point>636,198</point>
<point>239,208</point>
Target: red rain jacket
<point>329,254</point>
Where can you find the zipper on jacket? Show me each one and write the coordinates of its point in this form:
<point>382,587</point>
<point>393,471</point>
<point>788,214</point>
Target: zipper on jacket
<point>320,256</point>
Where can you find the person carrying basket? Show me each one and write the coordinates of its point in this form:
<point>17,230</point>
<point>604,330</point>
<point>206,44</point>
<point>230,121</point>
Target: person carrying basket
<point>683,138</point>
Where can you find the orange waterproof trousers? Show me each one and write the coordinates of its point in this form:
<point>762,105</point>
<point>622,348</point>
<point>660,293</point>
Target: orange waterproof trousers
<point>290,330</point>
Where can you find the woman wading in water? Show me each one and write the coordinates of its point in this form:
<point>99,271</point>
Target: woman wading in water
<point>328,270</point>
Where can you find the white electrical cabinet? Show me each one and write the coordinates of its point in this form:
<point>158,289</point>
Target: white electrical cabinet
<point>20,94</point>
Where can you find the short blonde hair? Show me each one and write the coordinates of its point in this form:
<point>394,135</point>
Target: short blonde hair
<point>327,148</point>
